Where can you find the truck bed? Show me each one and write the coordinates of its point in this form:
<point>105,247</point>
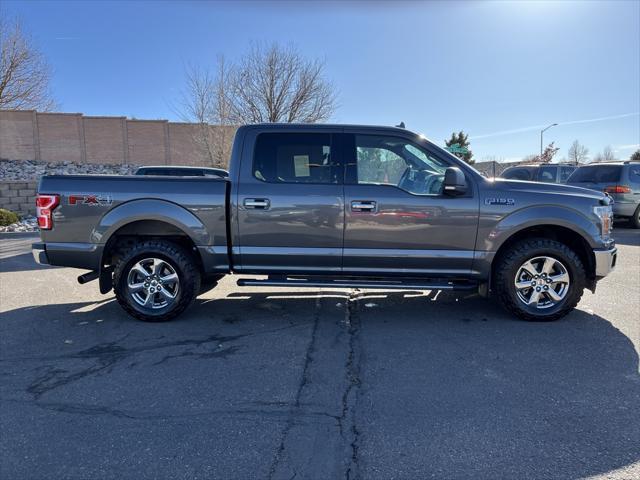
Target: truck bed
<point>92,207</point>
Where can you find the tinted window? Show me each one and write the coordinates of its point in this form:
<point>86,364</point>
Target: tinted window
<point>295,158</point>
<point>382,160</point>
<point>596,174</point>
<point>547,174</point>
<point>516,174</point>
<point>634,173</point>
<point>565,173</point>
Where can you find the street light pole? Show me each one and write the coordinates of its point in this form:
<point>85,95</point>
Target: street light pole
<point>541,132</point>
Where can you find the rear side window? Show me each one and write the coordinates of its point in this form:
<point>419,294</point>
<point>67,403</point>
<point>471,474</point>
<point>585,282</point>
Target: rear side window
<point>634,173</point>
<point>517,174</point>
<point>295,158</point>
<point>597,174</point>
<point>547,174</point>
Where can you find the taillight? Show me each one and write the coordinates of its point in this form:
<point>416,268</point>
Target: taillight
<point>44,210</point>
<point>617,189</point>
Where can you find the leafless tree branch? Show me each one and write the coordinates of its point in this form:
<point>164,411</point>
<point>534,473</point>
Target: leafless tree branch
<point>24,72</point>
<point>267,84</point>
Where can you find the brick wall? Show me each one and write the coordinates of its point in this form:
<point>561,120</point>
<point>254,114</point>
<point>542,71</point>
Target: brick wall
<point>18,197</point>
<point>73,137</point>
<point>17,134</point>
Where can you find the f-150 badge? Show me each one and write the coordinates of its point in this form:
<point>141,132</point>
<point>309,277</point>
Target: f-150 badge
<point>90,199</point>
<point>499,201</point>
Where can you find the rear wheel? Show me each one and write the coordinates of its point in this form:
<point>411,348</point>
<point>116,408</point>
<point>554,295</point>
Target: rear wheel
<point>634,221</point>
<point>539,279</point>
<point>156,280</point>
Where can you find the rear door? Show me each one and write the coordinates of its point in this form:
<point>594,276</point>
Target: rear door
<point>397,219</point>
<point>290,208</point>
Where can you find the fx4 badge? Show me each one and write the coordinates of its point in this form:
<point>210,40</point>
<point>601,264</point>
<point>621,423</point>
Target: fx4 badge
<point>499,201</point>
<point>90,199</point>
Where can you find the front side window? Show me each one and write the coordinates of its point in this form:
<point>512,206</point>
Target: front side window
<point>295,158</point>
<point>382,160</point>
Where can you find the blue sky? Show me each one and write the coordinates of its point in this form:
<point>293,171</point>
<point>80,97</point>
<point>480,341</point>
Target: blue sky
<point>488,68</point>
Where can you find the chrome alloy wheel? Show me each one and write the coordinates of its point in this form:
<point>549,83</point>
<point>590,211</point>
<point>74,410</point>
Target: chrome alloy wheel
<point>153,283</point>
<point>542,282</point>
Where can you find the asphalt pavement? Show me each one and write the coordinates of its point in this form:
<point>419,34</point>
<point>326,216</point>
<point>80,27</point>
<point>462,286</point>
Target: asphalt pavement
<point>296,383</point>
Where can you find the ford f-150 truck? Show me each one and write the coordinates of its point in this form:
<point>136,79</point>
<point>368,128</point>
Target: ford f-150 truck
<point>334,206</point>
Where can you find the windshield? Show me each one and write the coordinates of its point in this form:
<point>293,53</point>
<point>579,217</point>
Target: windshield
<point>596,174</point>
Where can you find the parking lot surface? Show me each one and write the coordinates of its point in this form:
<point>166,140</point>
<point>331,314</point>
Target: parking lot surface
<point>284,383</point>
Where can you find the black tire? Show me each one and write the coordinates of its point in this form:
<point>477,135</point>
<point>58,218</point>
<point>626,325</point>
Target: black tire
<point>178,259</point>
<point>634,222</point>
<point>209,283</point>
<point>510,263</point>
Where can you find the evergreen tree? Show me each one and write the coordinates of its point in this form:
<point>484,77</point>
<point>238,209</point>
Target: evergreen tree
<point>635,155</point>
<point>460,141</point>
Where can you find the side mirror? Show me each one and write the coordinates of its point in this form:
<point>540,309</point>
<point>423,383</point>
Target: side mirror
<point>455,182</point>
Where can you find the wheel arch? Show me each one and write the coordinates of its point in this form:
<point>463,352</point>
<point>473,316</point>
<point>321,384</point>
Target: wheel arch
<point>571,238</point>
<point>145,219</point>
<point>150,210</point>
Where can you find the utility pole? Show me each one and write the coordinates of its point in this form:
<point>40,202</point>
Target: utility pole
<point>541,132</point>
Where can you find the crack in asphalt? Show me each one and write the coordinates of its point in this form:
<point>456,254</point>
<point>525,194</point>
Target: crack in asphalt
<point>304,379</point>
<point>346,421</point>
<point>109,354</point>
<point>350,396</point>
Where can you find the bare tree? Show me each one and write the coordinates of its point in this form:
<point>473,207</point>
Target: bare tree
<point>276,84</point>
<point>267,84</point>
<point>546,157</point>
<point>608,155</point>
<point>205,102</point>
<point>578,153</point>
<point>24,72</point>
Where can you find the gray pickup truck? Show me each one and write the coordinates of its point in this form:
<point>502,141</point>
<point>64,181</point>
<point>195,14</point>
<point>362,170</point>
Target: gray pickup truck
<point>333,206</point>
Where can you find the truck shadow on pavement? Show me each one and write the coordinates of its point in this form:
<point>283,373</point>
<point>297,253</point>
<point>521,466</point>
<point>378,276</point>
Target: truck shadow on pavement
<point>440,385</point>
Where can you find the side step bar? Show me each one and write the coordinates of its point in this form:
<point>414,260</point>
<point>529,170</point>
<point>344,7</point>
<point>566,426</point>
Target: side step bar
<point>346,283</point>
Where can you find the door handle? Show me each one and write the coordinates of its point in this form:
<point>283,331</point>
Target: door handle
<point>257,203</point>
<point>363,206</point>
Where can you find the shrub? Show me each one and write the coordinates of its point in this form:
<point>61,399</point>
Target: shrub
<point>7,217</point>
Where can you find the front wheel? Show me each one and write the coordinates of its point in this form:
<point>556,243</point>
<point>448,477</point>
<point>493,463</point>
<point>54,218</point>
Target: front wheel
<point>156,280</point>
<point>539,279</point>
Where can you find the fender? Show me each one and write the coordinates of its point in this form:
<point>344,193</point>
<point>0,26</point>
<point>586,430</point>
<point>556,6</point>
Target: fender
<point>492,235</point>
<point>149,209</point>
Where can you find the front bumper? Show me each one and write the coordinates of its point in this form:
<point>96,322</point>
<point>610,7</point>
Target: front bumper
<point>39,253</point>
<point>605,261</point>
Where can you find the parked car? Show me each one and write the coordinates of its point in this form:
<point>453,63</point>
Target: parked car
<point>621,180</point>
<point>329,206</point>
<point>548,173</point>
<point>174,171</point>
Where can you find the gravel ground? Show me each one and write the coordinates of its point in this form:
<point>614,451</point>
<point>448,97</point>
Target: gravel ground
<point>28,223</point>
<point>30,170</point>
<point>285,383</point>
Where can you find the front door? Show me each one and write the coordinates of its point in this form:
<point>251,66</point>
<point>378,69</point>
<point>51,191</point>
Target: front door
<point>290,204</point>
<point>398,221</point>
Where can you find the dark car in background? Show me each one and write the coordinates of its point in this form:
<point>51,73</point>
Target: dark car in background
<point>621,180</point>
<point>172,171</point>
<point>555,173</point>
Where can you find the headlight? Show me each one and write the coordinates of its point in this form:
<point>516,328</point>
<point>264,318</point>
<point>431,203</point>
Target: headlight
<point>605,214</point>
